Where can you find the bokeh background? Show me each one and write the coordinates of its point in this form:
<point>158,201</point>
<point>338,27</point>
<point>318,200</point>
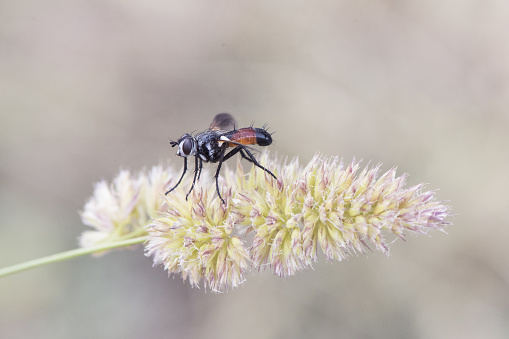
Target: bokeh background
<point>89,87</point>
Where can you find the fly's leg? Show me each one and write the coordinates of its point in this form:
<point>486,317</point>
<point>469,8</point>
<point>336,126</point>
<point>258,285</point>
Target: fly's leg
<point>180,180</point>
<point>197,169</point>
<point>252,159</point>
<point>201,166</point>
<point>222,159</point>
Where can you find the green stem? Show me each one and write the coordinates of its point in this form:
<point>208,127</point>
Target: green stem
<point>68,255</point>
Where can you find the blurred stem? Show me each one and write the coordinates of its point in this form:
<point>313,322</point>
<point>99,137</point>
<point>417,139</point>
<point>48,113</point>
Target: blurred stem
<point>68,255</point>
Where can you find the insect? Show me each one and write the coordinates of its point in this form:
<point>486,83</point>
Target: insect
<point>212,145</point>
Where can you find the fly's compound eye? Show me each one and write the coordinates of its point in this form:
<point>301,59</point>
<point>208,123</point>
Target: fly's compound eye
<point>187,147</point>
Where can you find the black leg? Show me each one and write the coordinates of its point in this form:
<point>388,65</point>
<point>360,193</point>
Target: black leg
<point>221,159</point>
<point>233,152</point>
<point>253,160</point>
<point>245,156</point>
<point>196,169</point>
<point>183,172</point>
<point>201,166</point>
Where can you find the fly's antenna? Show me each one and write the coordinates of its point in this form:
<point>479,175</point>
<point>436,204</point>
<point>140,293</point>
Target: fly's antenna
<point>173,143</point>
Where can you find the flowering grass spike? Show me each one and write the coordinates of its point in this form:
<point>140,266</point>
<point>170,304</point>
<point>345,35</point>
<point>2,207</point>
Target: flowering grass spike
<point>122,210</point>
<point>195,237</point>
<point>332,207</point>
<point>327,206</point>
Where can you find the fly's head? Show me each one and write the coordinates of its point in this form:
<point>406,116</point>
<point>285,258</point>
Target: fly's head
<point>186,145</point>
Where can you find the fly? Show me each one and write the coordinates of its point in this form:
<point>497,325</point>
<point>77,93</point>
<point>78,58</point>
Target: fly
<point>212,145</point>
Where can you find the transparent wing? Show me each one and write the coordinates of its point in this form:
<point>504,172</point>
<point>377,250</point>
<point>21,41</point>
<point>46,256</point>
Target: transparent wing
<point>223,121</point>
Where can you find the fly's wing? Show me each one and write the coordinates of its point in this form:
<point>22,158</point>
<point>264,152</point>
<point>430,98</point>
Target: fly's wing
<point>223,122</point>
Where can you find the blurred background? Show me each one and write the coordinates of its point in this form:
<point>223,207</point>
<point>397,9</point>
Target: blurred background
<point>90,87</point>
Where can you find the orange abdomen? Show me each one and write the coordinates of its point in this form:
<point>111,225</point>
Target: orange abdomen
<point>250,136</point>
<point>244,136</point>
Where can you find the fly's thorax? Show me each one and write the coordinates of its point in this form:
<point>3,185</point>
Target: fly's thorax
<point>208,146</point>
